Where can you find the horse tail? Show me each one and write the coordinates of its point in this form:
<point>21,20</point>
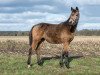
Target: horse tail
<point>30,37</point>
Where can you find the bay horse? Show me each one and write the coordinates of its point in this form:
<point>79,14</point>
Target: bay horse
<point>62,33</point>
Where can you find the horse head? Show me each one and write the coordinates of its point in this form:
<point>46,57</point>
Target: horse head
<point>74,17</point>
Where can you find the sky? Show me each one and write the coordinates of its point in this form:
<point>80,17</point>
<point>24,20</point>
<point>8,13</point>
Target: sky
<point>21,15</point>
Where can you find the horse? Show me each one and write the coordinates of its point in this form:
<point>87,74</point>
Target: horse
<point>62,33</point>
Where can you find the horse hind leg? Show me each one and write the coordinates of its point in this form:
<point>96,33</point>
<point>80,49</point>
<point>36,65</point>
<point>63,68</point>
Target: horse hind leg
<point>39,60</point>
<point>29,57</point>
<point>33,47</point>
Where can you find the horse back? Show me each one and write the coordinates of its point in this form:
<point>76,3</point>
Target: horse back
<point>53,33</point>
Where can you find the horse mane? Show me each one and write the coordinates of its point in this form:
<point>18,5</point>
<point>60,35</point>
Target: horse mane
<point>73,28</point>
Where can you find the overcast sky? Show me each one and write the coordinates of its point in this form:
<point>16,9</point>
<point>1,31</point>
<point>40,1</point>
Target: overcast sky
<point>21,15</point>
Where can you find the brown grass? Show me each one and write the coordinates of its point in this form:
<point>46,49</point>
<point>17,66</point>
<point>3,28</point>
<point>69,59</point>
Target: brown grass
<point>83,45</point>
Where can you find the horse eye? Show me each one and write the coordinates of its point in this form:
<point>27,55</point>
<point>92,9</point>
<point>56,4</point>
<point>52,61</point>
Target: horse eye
<point>77,15</point>
<point>72,14</point>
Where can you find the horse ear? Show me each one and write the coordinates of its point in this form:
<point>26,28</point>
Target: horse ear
<point>71,8</point>
<point>77,8</point>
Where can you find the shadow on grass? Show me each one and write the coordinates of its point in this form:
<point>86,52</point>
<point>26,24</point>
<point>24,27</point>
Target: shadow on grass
<point>44,58</point>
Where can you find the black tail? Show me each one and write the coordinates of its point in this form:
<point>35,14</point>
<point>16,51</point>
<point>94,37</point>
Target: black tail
<point>30,37</point>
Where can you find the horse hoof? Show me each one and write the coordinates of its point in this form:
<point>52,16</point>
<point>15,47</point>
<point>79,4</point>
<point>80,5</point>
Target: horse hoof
<point>67,65</point>
<point>28,66</point>
<point>61,64</point>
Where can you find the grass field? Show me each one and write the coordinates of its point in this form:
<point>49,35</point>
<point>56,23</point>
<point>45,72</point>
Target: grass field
<point>14,50</point>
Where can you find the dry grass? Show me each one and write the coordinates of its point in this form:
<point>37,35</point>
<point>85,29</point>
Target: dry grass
<point>14,38</point>
<point>86,38</point>
<point>25,38</point>
<point>84,45</point>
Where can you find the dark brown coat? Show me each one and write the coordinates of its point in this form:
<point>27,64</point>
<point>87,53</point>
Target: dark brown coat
<point>62,33</point>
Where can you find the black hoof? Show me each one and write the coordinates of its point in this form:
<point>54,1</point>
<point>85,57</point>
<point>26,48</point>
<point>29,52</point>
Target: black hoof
<point>67,64</point>
<point>61,64</point>
<point>40,62</point>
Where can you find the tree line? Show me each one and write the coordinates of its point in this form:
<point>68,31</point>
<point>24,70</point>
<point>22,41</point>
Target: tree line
<point>84,32</point>
<point>14,33</point>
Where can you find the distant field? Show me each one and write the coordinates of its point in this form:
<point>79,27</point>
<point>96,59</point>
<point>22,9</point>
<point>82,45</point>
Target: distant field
<point>14,50</point>
<point>15,38</point>
<point>25,38</point>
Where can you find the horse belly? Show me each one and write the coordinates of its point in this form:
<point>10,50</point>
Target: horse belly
<point>54,39</point>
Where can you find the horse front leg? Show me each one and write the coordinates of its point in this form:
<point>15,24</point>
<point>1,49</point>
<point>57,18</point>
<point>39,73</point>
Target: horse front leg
<point>66,55</point>
<point>67,59</point>
<point>61,59</point>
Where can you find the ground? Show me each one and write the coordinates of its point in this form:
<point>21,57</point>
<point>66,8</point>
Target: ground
<point>84,55</point>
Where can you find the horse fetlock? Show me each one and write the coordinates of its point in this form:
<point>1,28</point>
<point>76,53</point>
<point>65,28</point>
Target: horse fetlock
<point>66,62</point>
<point>67,65</point>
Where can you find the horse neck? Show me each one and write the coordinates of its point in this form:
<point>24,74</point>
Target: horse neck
<point>71,27</point>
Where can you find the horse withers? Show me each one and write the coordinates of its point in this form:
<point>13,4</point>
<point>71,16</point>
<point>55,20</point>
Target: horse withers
<point>62,33</point>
